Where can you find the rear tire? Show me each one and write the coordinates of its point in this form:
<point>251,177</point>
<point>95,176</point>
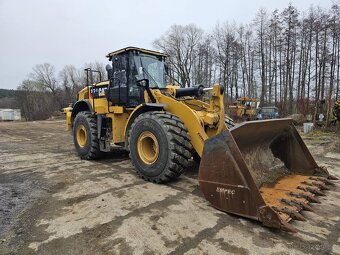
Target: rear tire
<point>159,146</point>
<point>85,136</point>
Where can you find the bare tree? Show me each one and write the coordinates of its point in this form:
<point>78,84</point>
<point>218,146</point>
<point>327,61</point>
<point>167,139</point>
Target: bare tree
<point>44,77</point>
<point>261,24</point>
<point>94,77</point>
<point>227,55</point>
<point>181,44</point>
<point>34,104</point>
<point>71,80</point>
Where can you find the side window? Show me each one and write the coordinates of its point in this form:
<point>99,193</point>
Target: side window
<point>119,71</point>
<point>118,88</point>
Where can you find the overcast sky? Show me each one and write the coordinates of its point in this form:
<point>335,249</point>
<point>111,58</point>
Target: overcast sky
<point>75,32</point>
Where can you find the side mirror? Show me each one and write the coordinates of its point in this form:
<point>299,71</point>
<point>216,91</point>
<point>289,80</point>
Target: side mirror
<point>144,83</point>
<point>166,67</point>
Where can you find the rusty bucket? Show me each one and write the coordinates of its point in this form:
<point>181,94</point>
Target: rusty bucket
<point>262,170</point>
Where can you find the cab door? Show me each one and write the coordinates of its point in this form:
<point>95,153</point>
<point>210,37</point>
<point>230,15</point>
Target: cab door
<point>118,94</point>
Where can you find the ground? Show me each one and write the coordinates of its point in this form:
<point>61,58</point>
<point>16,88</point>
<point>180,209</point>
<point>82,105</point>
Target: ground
<point>51,202</point>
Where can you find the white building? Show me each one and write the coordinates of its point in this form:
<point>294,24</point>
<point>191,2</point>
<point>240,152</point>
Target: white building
<point>10,114</point>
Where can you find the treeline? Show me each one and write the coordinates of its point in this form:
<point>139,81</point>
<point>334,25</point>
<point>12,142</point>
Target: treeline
<point>286,58</point>
<point>7,93</point>
<point>45,91</point>
<point>7,98</point>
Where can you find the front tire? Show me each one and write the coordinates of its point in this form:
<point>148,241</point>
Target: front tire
<point>159,146</point>
<point>85,136</point>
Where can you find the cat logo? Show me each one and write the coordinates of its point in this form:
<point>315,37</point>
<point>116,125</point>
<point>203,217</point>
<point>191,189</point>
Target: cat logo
<point>98,92</point>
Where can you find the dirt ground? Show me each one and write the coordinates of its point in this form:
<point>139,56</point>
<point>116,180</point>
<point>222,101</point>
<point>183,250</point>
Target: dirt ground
<point>51,202</point>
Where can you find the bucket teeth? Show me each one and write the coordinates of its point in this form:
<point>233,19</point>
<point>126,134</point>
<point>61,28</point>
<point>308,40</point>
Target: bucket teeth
<point>309,198</point>
<point>293,214</point>
<point>332,177</point>
<point>324,180</point>
<point>329,182</point>
<point>296,216</point>
<point>305,206</point>
<point>301,205</point>
<point>292,203</point>
<point>320,185</point>
<point>285,226</point>
<point>311,190</point>
<point>307,183</point>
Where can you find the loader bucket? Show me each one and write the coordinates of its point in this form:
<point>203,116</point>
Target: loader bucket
<point>262,170</point>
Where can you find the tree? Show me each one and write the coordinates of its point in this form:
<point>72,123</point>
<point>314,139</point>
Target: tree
<point>290,24</point>
<point>43,76</point>
<point>228,56</point>
<point>34,104</point>
<point>71,80</point>
<point>181,44</point>
<point>261,24</point>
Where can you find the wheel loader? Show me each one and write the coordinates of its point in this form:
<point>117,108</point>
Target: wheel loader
<point>260,170</point>
<point>244,109</point>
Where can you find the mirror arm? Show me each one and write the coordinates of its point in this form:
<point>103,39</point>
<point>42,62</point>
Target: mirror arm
<point>152,98</point>
<point>147,88</point>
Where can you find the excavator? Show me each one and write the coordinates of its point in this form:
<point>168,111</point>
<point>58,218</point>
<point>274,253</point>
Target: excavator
<point>260,170</point>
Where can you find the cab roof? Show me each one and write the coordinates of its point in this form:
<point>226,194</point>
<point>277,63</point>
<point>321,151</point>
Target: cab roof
<point>130,48</point>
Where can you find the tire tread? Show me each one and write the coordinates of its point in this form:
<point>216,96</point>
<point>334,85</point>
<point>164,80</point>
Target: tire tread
<point>179,145</point>
<point>94,152</point>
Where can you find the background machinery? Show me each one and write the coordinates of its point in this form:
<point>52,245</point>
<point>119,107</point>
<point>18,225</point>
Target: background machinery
<point>260,170</point>
<point>244,109</point>
<point>268,112</point>
<point>325,115</point>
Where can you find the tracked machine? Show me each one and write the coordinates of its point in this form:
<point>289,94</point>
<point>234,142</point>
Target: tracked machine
<point>260,170</point>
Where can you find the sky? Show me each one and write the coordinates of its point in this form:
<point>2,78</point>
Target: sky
<point>63,32</point>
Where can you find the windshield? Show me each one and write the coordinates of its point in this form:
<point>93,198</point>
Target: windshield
<point>151,68</point>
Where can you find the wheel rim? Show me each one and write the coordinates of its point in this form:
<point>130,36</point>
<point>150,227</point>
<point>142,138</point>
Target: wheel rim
<point>81,136</point>
<point>148,148</point>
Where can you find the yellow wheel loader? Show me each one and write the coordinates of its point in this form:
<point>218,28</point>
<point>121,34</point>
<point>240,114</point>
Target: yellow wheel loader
<point>244,109</point>
<point>261,169</point>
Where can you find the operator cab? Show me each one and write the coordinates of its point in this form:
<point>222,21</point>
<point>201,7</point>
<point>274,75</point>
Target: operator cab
<point>130,65</point>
